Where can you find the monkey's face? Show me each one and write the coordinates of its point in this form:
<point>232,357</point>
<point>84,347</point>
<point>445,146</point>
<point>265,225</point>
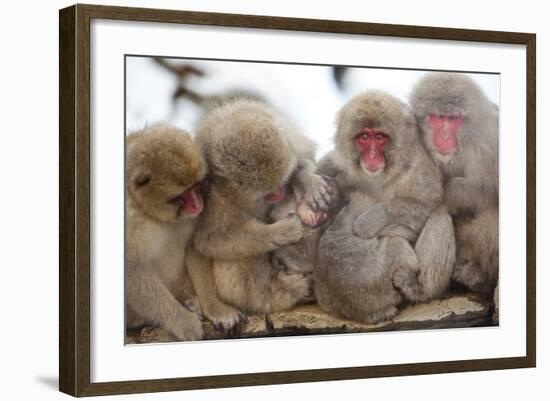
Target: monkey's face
<point>445,106</point>
<point>376,133</point>
<point>164,174</point>
<point>372,143</point>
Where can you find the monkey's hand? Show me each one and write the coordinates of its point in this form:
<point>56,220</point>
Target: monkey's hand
<point>371,222</point>
<point>287,231</point>
<point>318,192</point>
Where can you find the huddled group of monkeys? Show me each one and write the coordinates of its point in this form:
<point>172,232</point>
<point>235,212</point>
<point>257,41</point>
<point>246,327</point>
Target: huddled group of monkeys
<point>242,220</point>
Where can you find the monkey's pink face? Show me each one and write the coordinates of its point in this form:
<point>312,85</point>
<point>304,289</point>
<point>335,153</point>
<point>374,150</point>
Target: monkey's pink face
<point>276,196</point>
<point>445,128</point>
<point>372,143</point>
<point>189,202</point>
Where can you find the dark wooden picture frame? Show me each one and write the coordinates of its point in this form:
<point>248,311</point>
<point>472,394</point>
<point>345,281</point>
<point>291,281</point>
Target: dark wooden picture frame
<point>74,199</point>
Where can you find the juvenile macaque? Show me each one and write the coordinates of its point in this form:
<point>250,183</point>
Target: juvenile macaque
<point>163,200</point>
<point>300,257</point>
<point>459,127</point>
<point>256,157</point>
<point>393,239</point>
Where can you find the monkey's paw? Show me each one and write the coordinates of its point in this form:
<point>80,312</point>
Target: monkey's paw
<point>289,231</point>
<point>298,286</point>
<point>405,280</point>
<point>192,303</point>
<point>187,327</point>
<point>226,318</point>
<point>468,274</point>
<point>318,193</point>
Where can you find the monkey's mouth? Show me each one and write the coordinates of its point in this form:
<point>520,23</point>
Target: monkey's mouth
<point>190,202</point>
<point>372,167</point>
<point>277,196</point>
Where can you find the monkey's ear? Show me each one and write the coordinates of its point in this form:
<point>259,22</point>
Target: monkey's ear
<point>141,179</point>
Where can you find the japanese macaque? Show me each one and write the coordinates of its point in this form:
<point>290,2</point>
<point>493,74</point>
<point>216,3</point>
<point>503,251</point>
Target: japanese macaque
<point>394,240</point>
<point>255,158</point>
<point>459,127</point>
<point>163,171</point>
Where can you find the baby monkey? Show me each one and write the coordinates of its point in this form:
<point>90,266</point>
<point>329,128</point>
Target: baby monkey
<point>299,258</point>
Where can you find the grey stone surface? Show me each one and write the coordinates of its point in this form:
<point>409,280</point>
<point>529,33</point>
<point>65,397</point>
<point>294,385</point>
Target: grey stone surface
<point>463,310</point>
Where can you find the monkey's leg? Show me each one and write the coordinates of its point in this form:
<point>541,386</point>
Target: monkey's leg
<point>436,252</point>
<point>148,296</point>
<point>353,276</point>
<point>289,289</point>
<point>477,252</point>
<point>201,272</point>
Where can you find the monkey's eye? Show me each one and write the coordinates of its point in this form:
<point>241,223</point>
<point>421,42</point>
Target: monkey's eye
<point>380,137</point>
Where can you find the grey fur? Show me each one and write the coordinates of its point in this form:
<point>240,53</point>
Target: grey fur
<point>373,236</point>
<point>471,173</point>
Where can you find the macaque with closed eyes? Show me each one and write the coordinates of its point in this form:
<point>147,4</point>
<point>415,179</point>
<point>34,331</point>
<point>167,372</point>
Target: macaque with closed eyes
<point>256,157</point>
<point>163,171</point>
<point>393,241</point>
<point>459,128</point>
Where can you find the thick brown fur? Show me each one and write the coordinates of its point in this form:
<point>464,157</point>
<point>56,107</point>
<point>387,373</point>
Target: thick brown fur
<point>161,163</point>
<point>366,260</point>
<point>251,151</point>
<point>471,173</point>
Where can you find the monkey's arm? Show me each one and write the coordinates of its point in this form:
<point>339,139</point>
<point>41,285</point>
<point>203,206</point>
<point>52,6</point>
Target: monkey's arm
<point>398,216</point>
<point>201,272</point>
<point>327,166</point>
<point>253,238</point>
<point>311,186</point>
<point>467,194</point>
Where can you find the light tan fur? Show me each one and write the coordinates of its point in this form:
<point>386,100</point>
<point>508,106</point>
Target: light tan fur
<point>161,163</point>
<point>251,151</point>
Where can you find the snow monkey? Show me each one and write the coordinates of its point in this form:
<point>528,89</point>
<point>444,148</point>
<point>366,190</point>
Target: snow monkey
<point>255,157</point>
<point>300,257</point>
<point>459,127</point>
<point>394,239</point>
<point>163,171</point>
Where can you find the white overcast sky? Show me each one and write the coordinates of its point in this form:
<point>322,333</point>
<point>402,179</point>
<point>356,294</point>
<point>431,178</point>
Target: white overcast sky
<point>307,94</point>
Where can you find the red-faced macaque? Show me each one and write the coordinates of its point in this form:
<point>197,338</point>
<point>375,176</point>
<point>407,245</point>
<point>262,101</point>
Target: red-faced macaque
<point>459,128</point>
<point>394,241</point>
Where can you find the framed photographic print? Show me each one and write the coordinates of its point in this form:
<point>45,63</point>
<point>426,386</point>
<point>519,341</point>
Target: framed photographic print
<point>299,200</point>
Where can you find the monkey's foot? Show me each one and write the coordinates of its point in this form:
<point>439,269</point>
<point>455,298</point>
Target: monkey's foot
<point>288,289</point>
<point>469,275</point>
<point>192,303</point>
<point>382,315</point>
<point>187,327</point>
<point>225,318</point>
<point>405,280</point>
